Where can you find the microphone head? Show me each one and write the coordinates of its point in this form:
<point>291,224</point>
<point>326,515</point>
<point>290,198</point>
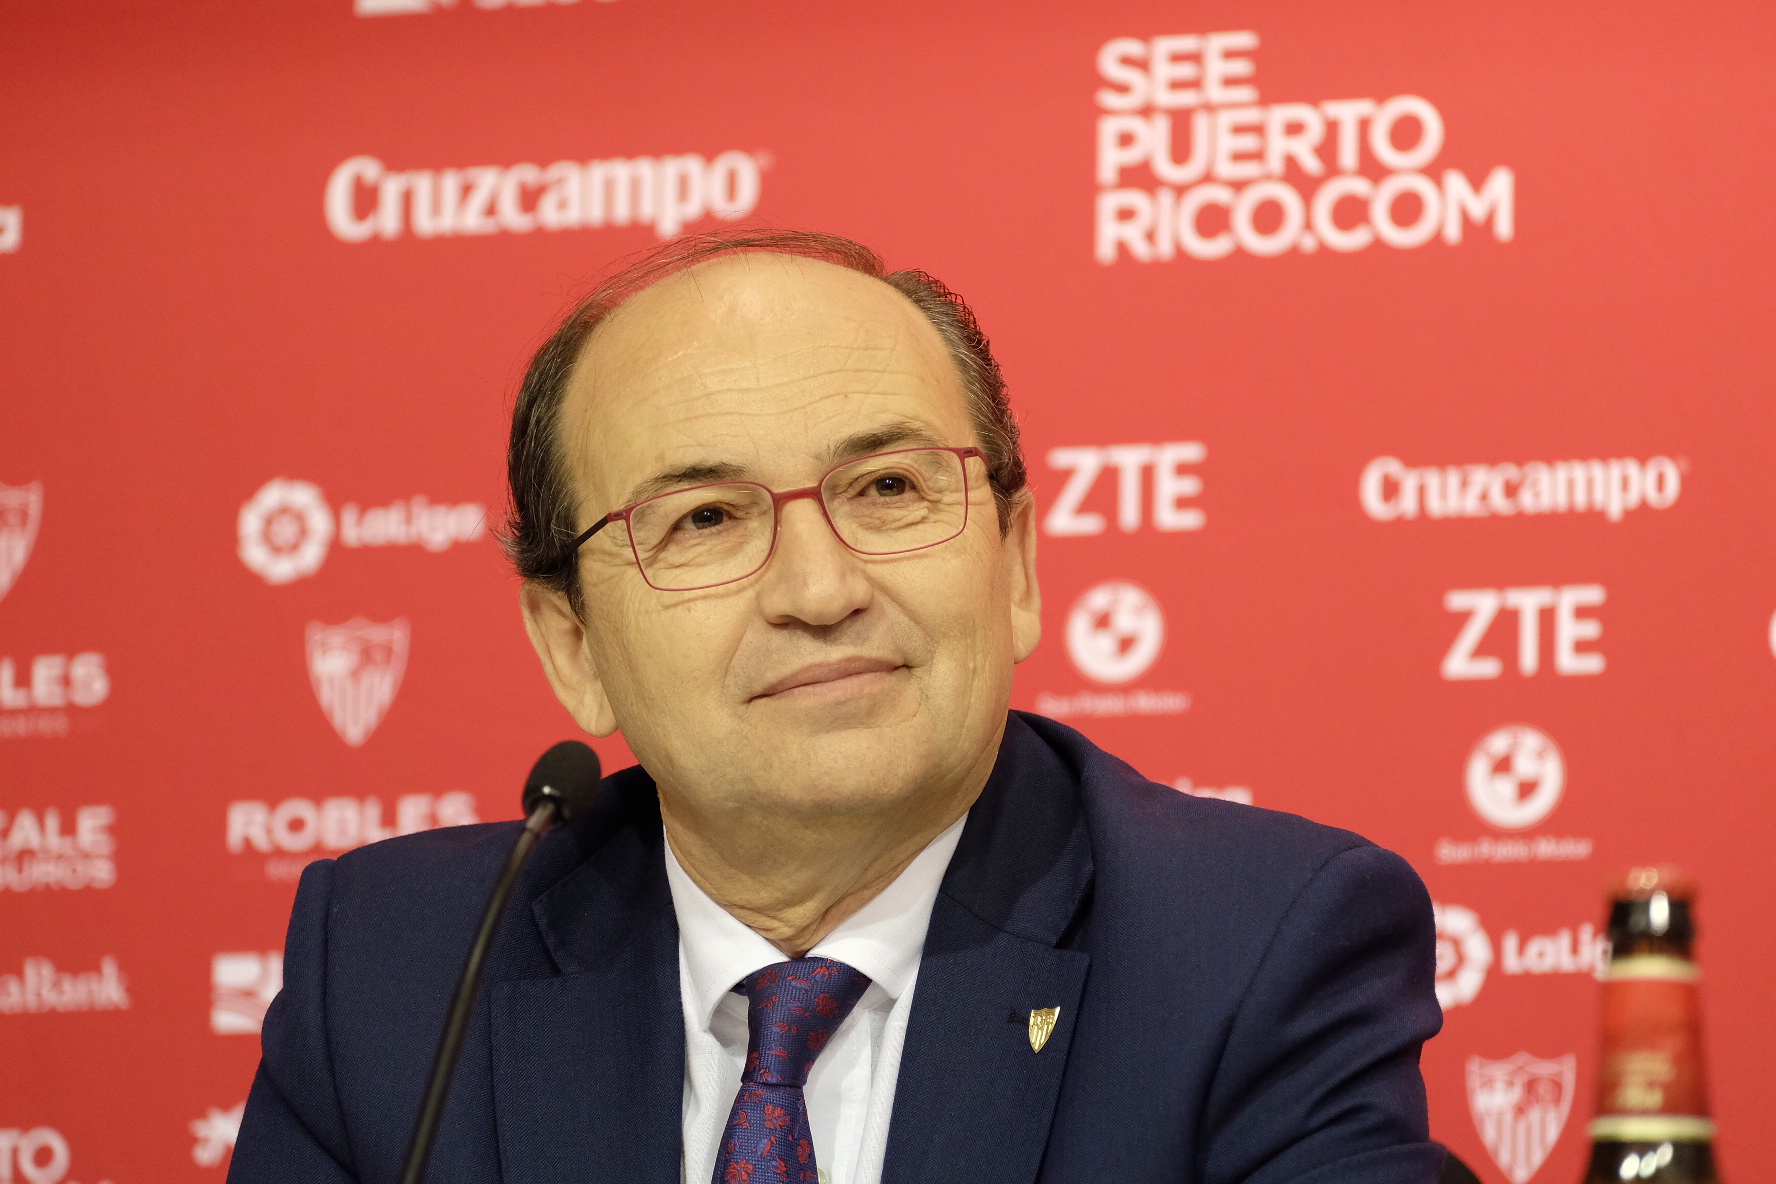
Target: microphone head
<point>567,775</point>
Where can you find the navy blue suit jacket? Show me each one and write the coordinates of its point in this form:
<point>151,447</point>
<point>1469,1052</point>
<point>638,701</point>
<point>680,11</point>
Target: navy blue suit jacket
<point>1242,997</point>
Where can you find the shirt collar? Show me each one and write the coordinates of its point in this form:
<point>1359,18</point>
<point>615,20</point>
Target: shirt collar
<point>883,939</point>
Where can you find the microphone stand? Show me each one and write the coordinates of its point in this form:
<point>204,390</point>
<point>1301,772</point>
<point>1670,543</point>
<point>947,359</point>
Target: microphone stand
<point>425,1131</point>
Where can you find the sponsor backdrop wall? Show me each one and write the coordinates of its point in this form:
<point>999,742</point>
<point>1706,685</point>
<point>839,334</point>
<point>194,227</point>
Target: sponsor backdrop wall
<point>1396,382</point>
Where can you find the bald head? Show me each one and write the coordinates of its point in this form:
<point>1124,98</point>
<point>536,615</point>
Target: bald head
<point>693,363</point>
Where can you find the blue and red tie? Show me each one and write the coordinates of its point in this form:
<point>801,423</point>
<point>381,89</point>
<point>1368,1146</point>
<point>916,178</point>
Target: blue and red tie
<point>793,1009</point>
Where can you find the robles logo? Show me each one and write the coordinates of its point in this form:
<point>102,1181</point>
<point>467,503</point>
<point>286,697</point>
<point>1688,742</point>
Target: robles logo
<point>285,529</point>
<point>1195,209</point>
<point>293,828</point>
<point>366,199</point>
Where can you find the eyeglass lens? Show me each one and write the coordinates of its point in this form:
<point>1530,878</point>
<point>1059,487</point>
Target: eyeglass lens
<point>878,505</point>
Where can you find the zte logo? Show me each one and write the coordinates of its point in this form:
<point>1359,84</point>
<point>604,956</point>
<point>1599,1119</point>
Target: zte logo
<point>1152,485</point>
<point>1528,604</point>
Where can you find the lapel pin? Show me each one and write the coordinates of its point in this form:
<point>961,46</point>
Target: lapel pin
<point>1042,1026</point>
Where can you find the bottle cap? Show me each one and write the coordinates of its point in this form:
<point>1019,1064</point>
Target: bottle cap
<point>1651,902</point>
<point>1640,883</point>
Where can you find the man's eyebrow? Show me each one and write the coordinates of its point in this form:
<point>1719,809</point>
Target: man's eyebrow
<point>698,474</point>
<point>904,434</point>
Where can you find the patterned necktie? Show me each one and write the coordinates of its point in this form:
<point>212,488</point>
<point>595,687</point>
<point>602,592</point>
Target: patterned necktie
<point>793,1009</point>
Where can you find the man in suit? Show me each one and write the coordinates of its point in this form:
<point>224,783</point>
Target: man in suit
<point>849,920</point>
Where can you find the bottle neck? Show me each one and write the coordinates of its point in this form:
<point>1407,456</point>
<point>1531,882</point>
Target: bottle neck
<point>1658,925</point>
<point>1646,945</point>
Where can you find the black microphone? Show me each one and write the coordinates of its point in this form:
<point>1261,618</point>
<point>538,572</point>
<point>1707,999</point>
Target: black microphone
<point>560,785</point>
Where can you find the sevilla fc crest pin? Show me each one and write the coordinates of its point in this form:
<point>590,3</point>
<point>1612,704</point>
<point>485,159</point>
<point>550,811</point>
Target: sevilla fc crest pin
<point>356,669</point>
<point>1042,1026</point>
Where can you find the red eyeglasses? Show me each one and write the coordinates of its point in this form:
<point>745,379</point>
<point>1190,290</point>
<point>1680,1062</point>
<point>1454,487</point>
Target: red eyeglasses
<point>889,503</point>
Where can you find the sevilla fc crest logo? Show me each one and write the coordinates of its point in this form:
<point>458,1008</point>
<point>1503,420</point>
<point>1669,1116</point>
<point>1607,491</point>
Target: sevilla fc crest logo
<point>356,669</point>
<point>1520,1107</point>
<point>20,508</point>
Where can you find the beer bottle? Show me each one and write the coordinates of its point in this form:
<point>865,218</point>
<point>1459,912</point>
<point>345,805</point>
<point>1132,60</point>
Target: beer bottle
<point>1652,1107</point>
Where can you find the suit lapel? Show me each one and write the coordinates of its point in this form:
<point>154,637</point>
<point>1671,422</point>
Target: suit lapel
<point>589,1064</point>
<point>974,1100</point>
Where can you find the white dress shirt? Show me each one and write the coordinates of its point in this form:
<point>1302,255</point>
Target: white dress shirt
<point>850,1091</point>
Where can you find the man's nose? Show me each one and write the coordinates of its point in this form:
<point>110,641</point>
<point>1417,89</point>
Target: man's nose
<point>812,577</point>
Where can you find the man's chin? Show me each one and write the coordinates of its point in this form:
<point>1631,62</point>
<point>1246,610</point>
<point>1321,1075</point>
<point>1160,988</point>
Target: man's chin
<point>863,766</point>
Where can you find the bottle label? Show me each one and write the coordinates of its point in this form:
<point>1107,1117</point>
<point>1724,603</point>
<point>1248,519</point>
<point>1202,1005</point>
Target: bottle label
<point>1653,968</point>
<point>1652,1040</point>
<point>1651,1128</point>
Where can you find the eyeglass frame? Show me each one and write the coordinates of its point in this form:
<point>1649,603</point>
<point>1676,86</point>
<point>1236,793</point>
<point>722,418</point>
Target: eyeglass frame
<point>777,500</point>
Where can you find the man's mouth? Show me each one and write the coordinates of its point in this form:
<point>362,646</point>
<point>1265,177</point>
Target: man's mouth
<point>838,675</point>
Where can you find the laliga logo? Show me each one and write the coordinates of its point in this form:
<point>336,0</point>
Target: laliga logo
<point>20,508</point>
<point>1464,955</point>
<point>1520,1106</point>
<point>1515,777</point>
<point>356,669</point>
<point>285,530</point>
<point>1115,632</point>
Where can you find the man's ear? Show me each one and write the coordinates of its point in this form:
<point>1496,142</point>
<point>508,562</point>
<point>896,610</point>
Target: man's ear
<point>559,637</point>
<point>1026,596</point>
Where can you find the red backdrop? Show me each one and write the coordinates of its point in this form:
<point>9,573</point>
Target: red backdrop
<point>1395,381</point>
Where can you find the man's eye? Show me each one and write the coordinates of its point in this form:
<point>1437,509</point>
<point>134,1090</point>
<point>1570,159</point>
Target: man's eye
<point>705,517</point>
<point>890,486</point>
